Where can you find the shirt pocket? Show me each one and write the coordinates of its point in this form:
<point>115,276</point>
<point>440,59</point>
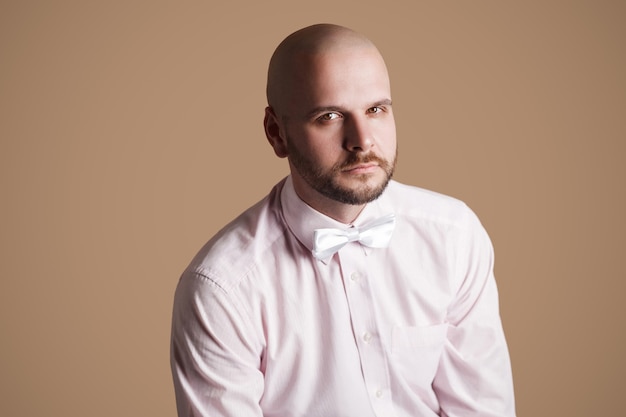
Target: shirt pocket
<point>416,351</point>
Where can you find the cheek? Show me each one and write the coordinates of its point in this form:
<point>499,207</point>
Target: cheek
<point>388,139</point>
<point>320,143</point>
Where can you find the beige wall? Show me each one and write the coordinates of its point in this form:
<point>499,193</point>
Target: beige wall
<point>131,131</point>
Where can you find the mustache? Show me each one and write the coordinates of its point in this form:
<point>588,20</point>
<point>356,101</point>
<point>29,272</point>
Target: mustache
<point>356,159</point>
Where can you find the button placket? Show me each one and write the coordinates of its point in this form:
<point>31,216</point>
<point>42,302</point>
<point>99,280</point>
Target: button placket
<point>362,308</point>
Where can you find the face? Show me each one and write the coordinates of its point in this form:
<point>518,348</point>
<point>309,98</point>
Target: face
<point>338,128</point>
<point>332,183</point>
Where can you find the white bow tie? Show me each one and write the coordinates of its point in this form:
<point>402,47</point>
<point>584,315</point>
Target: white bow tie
<point>374,234</point>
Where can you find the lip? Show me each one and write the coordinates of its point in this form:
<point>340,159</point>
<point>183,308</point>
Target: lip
<point>361,168</point>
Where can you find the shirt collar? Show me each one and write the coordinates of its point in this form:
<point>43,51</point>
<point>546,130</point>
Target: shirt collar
<point>303,219</point>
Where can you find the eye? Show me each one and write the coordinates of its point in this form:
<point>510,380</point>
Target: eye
<point>326,117</point>
<point>374,110</point>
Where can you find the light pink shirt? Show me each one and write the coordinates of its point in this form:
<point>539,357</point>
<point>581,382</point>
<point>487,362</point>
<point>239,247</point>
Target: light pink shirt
<point>262,328</point>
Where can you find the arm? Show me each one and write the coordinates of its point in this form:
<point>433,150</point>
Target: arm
<point>215,361</point>
<point>474,376</point>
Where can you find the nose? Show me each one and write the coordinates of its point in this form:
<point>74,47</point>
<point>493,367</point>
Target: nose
<point>359,136</point>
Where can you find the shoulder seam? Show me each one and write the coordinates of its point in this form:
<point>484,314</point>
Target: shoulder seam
<point>205,276</point>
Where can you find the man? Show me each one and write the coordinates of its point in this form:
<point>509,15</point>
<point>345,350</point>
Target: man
<point>342,293</point>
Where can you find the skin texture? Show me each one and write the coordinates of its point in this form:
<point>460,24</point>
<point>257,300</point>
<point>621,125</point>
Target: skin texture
<point>330,113</point>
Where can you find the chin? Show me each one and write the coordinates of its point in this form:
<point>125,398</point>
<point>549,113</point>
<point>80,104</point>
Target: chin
<point>362,193</point>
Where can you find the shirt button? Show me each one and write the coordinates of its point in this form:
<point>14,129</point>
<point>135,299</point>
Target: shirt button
<point>367,336</point>
<point>379,393</point>
<point>355,276</point>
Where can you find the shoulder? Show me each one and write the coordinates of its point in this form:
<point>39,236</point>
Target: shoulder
<point>418,204</point>
<point>446,228</point>
<point>240,246</point>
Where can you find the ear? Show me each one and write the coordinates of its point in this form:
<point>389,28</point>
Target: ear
<point>273,133</point>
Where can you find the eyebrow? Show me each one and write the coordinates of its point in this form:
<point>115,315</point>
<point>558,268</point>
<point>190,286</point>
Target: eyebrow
<point>328,109</point>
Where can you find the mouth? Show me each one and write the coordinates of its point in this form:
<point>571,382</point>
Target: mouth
<point>361,168</point>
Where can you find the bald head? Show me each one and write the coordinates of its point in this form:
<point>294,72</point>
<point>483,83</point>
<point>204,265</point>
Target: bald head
<point>294,54</point>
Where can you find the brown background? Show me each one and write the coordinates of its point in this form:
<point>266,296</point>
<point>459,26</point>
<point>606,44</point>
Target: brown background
<point>131,131</point>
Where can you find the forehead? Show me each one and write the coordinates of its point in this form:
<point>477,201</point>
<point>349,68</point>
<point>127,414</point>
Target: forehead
<point>344,78</point>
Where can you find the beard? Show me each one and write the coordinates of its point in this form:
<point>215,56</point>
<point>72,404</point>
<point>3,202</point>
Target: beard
<point>326,182</point>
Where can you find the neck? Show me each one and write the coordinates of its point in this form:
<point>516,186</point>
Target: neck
<point>342,212</point>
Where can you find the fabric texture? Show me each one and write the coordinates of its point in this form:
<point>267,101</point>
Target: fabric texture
<point>261,327</point>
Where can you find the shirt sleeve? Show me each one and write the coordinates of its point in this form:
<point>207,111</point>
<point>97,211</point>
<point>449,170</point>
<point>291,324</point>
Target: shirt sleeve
<point>214,359</point>
<point>474,376</point>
